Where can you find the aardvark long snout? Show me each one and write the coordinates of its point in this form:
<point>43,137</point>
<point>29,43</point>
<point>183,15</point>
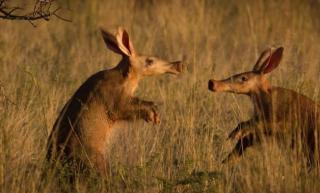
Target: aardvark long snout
<point>217,86</point>
<point>176,67</point>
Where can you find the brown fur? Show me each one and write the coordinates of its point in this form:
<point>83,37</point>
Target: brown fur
<point>85,126</point>
<point>285,114</point>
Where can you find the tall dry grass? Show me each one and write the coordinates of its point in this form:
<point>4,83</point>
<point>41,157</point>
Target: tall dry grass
<point>41,67</point>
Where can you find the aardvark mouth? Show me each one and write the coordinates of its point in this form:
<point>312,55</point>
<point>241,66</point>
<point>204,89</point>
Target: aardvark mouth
<point>176,67</point>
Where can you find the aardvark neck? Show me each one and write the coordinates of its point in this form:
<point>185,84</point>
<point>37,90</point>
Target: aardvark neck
<point>262,102</point>
<point>131,77</point>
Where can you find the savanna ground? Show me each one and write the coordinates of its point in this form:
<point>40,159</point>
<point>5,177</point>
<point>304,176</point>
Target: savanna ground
<point>41,67</point>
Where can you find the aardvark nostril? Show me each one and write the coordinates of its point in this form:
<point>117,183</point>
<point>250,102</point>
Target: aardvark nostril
<point>210,85</point>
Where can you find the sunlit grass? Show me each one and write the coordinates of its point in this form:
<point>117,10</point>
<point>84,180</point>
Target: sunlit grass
<point>41,67</point>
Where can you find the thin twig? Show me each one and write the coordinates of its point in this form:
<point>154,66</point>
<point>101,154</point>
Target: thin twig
<point>7,15</point>
<point>34,25</point>
<point>41,10</point>
<point>59,17</point>
<point>14,9</point>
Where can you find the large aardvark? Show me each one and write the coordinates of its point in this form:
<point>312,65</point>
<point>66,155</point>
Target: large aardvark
<point>285,114</point>
<point>84,127</point>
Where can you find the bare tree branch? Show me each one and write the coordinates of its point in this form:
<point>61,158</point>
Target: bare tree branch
<point>43,10</point>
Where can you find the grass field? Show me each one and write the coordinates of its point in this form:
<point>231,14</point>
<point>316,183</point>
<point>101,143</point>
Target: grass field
<point>40,68</point>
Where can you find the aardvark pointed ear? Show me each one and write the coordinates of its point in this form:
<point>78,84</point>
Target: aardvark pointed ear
<point>270,62</point>
<point>111,41</point>
<point>124,42</point>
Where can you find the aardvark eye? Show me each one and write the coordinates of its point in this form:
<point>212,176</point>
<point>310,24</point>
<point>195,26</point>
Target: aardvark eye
<point>244,78</point>
<point>149,61</point>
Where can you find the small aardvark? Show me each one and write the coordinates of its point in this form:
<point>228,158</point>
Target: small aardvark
<point>285,114</point>
<point>86,123</point>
